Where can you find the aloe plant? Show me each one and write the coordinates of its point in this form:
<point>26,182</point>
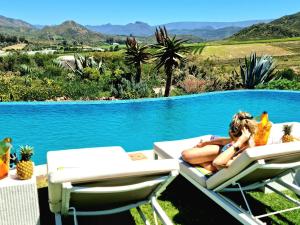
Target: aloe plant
<point>136,54</point>
<point>169,54</point>
<point>257,70</point>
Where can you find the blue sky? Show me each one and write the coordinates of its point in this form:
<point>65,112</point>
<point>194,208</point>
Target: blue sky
<point>154,12</point>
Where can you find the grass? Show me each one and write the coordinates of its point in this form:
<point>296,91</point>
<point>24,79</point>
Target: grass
<point>278,203</point>
<point>15,47</point>
<point>240,51</point>
<point>186,205</point>
<point>228,56</point>
<point>275,40</point>
<point>292,46</point>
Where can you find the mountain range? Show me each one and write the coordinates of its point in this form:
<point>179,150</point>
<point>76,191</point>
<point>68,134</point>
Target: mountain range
<point>287,26</point>
<point>205,30</point>
<point>70,30</point>
<point>284,27</point>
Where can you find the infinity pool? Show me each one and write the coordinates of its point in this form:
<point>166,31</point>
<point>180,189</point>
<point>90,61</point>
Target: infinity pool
<point>136,124</point>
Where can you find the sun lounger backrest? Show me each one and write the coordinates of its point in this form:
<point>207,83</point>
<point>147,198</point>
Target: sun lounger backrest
<point>130,173</point>
<point>81,158</point>
<point>284,152</point>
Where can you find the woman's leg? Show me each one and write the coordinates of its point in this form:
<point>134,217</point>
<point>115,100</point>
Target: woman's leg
<point>208,166</point>
<point>201,155</point>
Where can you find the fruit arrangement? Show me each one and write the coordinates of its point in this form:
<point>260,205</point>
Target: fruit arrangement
<point>24,166</point>
<point>5,146</point>
<point>287,137</point>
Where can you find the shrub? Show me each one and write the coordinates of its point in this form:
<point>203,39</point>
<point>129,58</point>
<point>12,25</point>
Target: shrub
<point>23,59</point>
<point>227,81</point>
<point>127,89</point>
<point>27,89</point>
<point>53,71</point>
<point>42,59</point>
<point>281,84</point>
<point>9,63</point>
<point>91,73</point>
<point>85,89</point>
<point>288,74</point>
<point>192,85</point>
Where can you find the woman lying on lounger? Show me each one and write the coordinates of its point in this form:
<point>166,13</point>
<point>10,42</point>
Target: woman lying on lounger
<point>219,153</point>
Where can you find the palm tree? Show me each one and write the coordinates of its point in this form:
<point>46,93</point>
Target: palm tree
<point>136,55</point>
<point>169,54</point>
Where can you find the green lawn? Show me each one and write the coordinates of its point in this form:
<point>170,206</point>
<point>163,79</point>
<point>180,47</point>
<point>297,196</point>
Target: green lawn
<point>185,205</point>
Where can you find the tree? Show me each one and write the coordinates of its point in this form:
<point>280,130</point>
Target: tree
<point>136,54</point>
<point>169,54</point>
<point>64,43</point>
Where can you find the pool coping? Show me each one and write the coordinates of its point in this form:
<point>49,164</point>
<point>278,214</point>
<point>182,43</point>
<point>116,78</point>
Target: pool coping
<point>96,102</point>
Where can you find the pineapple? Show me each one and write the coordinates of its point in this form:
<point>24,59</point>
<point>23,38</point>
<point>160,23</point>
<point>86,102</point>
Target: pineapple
<point>25,165</point>
<point>287,137</point>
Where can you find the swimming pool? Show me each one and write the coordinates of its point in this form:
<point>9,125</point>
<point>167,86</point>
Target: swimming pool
<point>135,124</point>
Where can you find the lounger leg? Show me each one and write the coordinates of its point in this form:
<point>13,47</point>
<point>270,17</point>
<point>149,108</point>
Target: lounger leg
<point>58,219</point>
<point>155,217</point>
<point>245,199</point>
<point>142,216</point>
<point>160,212</point>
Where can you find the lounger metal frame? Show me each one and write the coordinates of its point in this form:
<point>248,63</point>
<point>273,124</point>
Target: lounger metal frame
<point>162,183</point>
<point>245,216</point>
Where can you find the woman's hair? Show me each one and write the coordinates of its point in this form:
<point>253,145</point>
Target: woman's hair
<point>239,121</point>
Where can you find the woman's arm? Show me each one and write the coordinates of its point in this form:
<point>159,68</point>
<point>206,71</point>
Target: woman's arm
<point>218,141</point>
<point>224,159</point>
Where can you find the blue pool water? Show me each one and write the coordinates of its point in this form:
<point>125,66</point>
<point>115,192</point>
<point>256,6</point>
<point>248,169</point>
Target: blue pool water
<point>135,125</point>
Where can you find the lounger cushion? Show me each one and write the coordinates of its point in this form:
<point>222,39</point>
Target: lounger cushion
<point>100,167</point>
<point>113,176</point>
<point>74,158</point>
<point>267,152</point>
<point>113,171</point>
<point>173,150</point>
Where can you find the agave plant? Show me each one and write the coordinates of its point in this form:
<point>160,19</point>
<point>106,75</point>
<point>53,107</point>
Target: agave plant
<point>169,54</point>
<point>24,69</point>
<point>136,55</point>
<point>257,70</point>
<point>83,62</point>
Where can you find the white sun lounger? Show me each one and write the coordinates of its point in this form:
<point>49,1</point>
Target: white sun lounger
<point>254,168</point>
<point>101,181</point>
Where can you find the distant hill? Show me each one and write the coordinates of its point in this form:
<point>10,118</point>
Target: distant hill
<point>204,30</point>
<point>15,23</point>
<point>211,25</point>
<point>209,33</point>
<point>136,29</point>
<point>70,30</point>
<point>284,27</point>
<point>39,26</point>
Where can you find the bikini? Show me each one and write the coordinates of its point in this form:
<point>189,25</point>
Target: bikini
<point>225,147</point>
